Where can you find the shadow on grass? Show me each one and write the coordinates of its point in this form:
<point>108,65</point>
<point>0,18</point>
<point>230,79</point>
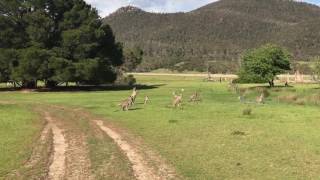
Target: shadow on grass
<point>85,88</point>
<point>274,87</point>
<point>135,109</point>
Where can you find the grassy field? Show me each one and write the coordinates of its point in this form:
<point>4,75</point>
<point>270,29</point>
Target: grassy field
<point>19,127</point>
<point>212,139</point>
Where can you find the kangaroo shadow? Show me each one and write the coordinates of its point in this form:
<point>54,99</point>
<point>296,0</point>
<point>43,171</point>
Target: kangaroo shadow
<point>135,109</point>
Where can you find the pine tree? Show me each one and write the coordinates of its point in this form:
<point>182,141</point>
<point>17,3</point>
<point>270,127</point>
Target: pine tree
<point>56,41</point>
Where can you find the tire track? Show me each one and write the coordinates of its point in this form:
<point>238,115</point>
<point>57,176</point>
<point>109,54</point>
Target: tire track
<point>57,167</point>
<point>139,165</point>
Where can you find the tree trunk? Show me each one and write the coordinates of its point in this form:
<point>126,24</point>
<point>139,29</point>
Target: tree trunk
<point>29,84</point>
<point>271,83</point>
<point>51,84</point>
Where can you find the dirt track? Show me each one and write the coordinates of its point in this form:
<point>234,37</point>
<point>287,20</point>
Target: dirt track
<point>69,158</point>
<point>140,168</point>
<point>57,167</point>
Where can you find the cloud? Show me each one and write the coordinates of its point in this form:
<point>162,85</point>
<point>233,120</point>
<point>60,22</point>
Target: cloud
<point>106,7</point>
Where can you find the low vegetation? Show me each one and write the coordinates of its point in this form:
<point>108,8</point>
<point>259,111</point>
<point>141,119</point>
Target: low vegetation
<point>247,111</point>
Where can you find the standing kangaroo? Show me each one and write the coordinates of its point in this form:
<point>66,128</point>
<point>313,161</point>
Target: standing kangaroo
<point>134,95</point>
<point>177,100</point>
<point>146,100</point>
<point>260,99</point>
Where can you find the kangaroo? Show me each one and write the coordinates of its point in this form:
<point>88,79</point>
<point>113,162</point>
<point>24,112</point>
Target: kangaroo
<point>134,95</point>
<point>126,104</point>
<point>260,99</point>
<point>194,97</point>
<point>177,100</point>
<point>146,100</point>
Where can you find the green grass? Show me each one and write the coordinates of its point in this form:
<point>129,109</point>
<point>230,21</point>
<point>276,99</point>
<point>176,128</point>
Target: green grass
<point>212,140</point>
<point>18,129</point>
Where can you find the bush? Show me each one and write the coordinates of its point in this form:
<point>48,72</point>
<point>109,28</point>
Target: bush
<point>131,80</point>
<point>247,111</point>
<point>261,65</point>
<point>126,80</point>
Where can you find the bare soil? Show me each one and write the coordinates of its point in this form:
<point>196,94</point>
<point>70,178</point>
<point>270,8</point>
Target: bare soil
<point>58,165</point>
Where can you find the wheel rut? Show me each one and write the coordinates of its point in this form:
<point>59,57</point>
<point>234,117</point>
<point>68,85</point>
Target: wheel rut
<point>58,165</point>
<point>140,163</point>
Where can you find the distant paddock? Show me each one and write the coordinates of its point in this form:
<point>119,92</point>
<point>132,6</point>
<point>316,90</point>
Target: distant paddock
<point>291,78</point>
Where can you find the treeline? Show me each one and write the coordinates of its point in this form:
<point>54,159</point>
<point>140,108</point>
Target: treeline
<point>219,32</point>
<point>55,41</point>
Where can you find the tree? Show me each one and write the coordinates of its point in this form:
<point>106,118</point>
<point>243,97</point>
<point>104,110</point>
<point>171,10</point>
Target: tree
<point>8,60</point>
<point>32,66</point>
<point>56,41</point>
<point>132,58</point>
<point>261,65</point>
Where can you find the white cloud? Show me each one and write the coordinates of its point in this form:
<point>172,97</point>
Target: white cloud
<point>106,7</point>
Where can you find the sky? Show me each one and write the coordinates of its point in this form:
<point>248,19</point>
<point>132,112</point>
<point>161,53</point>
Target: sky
<point>105,7</point>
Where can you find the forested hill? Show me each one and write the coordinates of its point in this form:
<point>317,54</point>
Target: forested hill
<point>218,32</point>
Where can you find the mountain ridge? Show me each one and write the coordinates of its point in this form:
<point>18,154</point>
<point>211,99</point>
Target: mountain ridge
<point>220,31</point>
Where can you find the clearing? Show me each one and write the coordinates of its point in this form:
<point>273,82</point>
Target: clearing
<point>208,140</point>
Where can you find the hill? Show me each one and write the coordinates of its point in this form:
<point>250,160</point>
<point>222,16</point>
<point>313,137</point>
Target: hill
<point>218,32</point>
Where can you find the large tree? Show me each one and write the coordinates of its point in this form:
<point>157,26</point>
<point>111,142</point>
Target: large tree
<point>56,41</point>
<point>261,65</point>
<point>132,58</point>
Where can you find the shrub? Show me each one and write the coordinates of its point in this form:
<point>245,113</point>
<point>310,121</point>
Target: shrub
<point>247,111</point>
<point>131,80</point>
<point>126,80</point>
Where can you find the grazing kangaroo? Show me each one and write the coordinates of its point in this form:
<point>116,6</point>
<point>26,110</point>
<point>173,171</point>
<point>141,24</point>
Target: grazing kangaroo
<point>134,95</point>
<point>195,97</point>
<point>146,100</point>
<point>177,100</point>
<point>260,99</point>
<point>126,104</point>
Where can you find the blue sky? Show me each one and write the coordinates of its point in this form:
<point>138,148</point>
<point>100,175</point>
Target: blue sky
<point>106,7</point>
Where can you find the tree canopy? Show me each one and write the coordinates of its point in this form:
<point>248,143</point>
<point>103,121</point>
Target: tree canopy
<point>132,58</point>
<point>261,65</point>
<point>55,41</point>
